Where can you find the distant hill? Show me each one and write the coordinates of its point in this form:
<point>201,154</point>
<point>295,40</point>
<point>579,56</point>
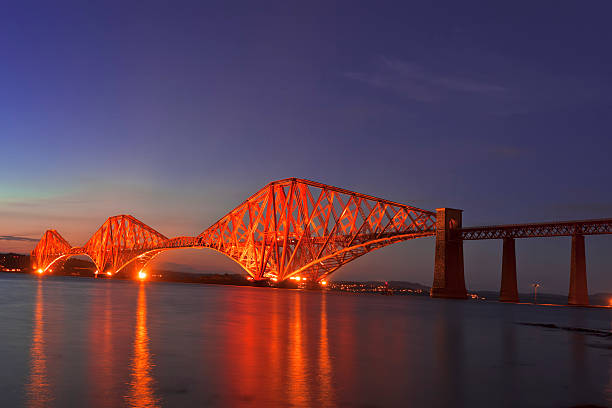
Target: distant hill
<point>179,267</point>
<point>409,285</point>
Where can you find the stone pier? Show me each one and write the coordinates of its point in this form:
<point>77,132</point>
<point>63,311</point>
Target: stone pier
<point>509,287</point>
<point>449,281</point>
<point>578,290</point>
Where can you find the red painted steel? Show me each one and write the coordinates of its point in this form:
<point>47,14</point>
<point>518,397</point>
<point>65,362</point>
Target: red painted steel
<point>51,247</point>
<point>299,227</point>
<point>290,227</point>
<point>120,240</point>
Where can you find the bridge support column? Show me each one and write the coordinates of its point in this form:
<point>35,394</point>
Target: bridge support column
<point>449,280</point>
<point>509,288</point>
<point>578,291</point>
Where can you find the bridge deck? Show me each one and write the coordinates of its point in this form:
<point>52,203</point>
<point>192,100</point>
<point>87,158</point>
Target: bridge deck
<point>546,229</point>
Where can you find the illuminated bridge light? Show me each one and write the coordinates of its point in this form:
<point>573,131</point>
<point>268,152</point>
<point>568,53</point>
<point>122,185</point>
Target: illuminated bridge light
<point>142,275</point>
<point>40,271</point>
<point>109,273</point>
<point>323,283</point>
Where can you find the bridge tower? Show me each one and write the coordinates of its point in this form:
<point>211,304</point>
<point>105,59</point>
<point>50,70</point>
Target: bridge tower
<point>449,281</point>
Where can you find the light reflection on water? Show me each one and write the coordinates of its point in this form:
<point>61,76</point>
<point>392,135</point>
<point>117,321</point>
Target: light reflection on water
<point>39,392</point>
<point>101,337</point>
<point>298,375</point>
<point>141,387</point>
<point>150,345</point>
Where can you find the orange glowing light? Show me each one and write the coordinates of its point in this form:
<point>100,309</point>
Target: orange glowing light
<point>40,271</point>
<point>274,279</point>
<point>323,282</point>
<point>109,273</point>
<point>142,275</point>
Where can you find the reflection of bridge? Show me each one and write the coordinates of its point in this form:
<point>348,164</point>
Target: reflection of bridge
<point>295,227</point>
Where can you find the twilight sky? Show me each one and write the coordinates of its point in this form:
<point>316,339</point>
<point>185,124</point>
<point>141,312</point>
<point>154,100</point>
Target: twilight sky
<point>175,112</point>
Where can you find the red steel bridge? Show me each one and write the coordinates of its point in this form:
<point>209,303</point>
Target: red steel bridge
<point>296,227</point>
<point>290,227</point>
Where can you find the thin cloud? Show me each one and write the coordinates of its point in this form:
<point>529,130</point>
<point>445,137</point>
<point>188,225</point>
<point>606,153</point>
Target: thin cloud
<point>415,82</point>
<point>15,238</point>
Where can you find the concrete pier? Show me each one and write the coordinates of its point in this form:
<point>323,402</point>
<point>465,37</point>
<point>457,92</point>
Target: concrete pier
<point>449,281</point>
<point>509,288</point>
<point>578,290</point>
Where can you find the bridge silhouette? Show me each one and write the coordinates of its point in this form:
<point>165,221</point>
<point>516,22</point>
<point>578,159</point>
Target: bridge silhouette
<point>296,227</point>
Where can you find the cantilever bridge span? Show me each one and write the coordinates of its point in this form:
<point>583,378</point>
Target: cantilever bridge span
<point>290,227</point>
<point>300,227</point>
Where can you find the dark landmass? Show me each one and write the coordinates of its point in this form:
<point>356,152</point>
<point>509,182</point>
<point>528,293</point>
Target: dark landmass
<point>11,262</point>
<point>19,263</point>
<point>381,287</point>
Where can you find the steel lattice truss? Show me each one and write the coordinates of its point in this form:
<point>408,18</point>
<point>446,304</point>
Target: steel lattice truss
<point>290,227</point>
<point>120,240</point>
<point>551,229</point>
<point>299,227</point>
<point>51,247</point>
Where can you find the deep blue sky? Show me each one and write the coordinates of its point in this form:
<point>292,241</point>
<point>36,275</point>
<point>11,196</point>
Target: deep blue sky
<point>176,111</point>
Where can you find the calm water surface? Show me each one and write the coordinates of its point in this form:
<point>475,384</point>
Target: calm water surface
<point>75,342</point>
